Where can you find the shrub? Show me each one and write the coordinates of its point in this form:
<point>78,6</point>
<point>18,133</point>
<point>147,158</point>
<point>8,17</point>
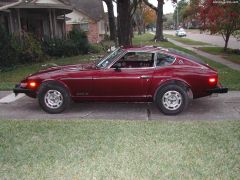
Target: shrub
<point>14,52</point>
<point>31,49</point>
<point>75,45</point>
<point>95,48</point>
<point>60,47</point>
<point>80,40</point>
<point>8,52</point>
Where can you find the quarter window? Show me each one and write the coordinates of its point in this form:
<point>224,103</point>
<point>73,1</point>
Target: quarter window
<point>164,59</point>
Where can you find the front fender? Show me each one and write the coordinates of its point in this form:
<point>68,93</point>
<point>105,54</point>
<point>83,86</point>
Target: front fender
<point>55,82</point>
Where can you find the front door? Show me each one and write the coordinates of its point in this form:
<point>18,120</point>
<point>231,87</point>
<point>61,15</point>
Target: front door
<point>128,79</point>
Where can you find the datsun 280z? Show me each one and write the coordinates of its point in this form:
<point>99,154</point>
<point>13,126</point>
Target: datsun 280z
<point>166,77</point>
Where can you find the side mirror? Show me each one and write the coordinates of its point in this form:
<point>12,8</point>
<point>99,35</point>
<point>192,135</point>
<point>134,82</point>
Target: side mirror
<point>118,67</point>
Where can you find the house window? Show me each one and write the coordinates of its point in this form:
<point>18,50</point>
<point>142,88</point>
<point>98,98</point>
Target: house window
<point>84,26</point>
<point>101,27</point>
<point>76,26</point>
<point>81,27</point>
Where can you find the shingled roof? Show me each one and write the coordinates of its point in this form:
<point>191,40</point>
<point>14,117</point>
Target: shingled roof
<point>92,8</point>
<point>9,2</point>
<point>6,2</point>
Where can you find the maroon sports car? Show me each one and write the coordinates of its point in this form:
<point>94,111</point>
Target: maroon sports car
<point>167,77</point>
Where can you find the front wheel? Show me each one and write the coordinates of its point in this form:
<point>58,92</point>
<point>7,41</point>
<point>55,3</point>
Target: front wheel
<point>53,98</point>
<point>172,99</point>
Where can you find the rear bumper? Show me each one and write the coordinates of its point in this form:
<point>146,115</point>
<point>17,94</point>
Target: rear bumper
<point>218,90</point>
<point>18,89</point>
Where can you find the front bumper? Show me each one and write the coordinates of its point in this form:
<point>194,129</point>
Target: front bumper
<point>218,90</point>
<point>18,89</point>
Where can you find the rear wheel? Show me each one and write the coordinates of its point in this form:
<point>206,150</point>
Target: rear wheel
<point>172,99</point>
<point>53,98</point>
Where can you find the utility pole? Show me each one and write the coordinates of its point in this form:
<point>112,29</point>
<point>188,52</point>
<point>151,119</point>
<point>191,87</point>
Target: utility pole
<point>177,19</point>
<point>177,16</point>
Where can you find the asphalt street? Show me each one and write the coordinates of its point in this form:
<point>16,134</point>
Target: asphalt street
<point>216,40</point>
<point>223,107</point>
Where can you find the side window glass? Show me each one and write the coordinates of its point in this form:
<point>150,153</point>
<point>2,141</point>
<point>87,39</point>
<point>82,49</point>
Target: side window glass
<point>135,60</point>
<point>164,59</point>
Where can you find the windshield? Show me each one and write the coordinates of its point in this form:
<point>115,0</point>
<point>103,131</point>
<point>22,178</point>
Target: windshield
<point>107,60</point>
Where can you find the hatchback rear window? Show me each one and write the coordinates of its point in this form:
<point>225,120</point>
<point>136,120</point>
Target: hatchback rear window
<point>186,55</point>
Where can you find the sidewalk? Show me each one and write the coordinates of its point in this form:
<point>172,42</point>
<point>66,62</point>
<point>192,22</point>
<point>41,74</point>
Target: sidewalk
<point>212,57</point>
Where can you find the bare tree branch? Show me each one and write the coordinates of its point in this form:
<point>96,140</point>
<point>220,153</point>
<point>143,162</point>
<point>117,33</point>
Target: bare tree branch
<point>133,7</point>
<point>150,5</point>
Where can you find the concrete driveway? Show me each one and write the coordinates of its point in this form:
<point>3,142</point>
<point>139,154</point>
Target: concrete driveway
<point>223,107</point>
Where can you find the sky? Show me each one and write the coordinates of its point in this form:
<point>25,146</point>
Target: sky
<point>167,7</point>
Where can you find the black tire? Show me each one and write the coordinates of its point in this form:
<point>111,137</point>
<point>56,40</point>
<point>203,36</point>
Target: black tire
<point>63,98</point>
<point>177,92</point>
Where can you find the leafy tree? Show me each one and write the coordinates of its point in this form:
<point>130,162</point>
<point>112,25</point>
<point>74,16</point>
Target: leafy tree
<point>222,18</point>
<point>149,15</point>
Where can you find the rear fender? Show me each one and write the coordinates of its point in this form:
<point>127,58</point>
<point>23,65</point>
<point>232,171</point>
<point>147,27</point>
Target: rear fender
<point>178,82</point>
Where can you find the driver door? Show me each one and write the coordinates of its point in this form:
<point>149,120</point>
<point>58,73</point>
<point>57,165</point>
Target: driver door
<point>129,81</point>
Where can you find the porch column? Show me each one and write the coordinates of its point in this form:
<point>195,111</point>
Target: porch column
<point>55,23</point>
<point>50,23</point>
<point>19,24</point>
<point>64,27</point>
<point>10,23</point>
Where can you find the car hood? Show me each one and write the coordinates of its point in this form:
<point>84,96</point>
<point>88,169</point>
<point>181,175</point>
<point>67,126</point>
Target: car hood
<point>76,67</point>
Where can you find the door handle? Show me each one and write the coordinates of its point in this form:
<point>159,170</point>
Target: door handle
<point>145,77</point>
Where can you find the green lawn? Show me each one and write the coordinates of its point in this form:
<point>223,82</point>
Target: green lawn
<point>219,51</point>
<point>119,150</point>
<point>185,40</point>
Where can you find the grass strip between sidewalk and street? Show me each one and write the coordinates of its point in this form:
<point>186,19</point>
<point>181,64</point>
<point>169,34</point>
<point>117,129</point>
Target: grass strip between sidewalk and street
<point>119,150</point>
<point>229,55</point>
<point>185,40</point>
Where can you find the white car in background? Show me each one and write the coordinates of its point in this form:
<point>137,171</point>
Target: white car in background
<point>181,32</point>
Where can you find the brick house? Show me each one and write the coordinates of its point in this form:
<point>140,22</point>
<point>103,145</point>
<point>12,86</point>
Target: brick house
<point>43,18</point>
<point>88,15</point>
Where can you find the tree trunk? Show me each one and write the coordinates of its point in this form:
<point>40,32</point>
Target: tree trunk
<point>144,29</point>
<point>124,20</point>
<point>226,42</point>
<point>159,24</point>
<point>111,19</point>
<point>139,29</point>
<point>131,30</point>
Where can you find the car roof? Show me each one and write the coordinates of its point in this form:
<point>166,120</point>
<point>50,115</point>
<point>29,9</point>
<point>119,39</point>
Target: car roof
<point>152,49</point>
